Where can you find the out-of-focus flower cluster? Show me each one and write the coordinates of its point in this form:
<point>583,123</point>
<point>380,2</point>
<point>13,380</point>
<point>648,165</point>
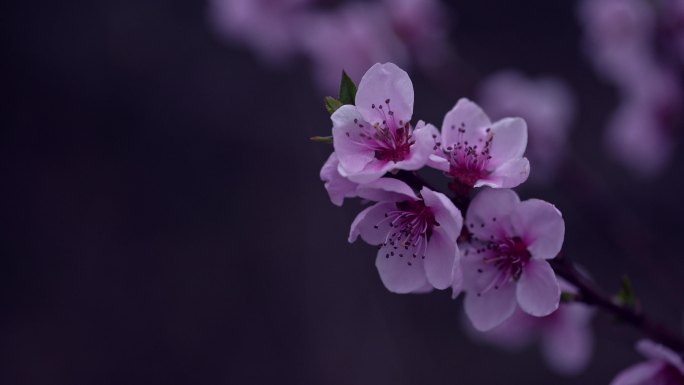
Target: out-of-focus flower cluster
<point>481,240</point>
<point>663,367</point>
<point>637,46</point>
<point>337,35</point>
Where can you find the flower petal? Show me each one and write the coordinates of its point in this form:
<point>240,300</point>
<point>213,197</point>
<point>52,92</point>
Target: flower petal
<point>338,187</point>
<point>427,288</point>
<point>446,214</point>
<point>386,190</point>
<point>510,141</point>
<point>384,82</point>
<point>371,224</point>
<point>490,309</point>
<point>640,374</point>
<point>440,257</point>
<point>436,157</point>
<point>399,270</point>
<point>489,211</point>
<point>349,145</point>
<point>538,291</point>
<point>657,351</point>
<point>421,149</point>
<point>508,175</point>
<point>457,276</point>
<point>541,226</point>
<point>469,118</point>
<point>517,331</point>
<point>372,171</point>
<point>567,345</point>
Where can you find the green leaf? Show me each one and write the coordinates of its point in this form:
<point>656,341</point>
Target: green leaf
<point>567,297</point>
<point>332,104</point>
<point>626,294</point>
<point>347,90</point>
<point>322,139</point>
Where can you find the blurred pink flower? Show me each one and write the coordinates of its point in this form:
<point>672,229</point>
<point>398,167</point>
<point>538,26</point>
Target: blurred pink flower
<point>504,263</point>
<point>638,135</point>
<point>664,367</point>
<point>351,38</point>
<point>266,26</point>
<point>547,106</point>
<point>621,41</point>
<point>416,235</point>
<point>475,152</point>
<point>565,335</point>
<point>673,15</point>
<point>618,34</point>
<point>422,26</point>
<point>376,136</point>
<point>338,187</point>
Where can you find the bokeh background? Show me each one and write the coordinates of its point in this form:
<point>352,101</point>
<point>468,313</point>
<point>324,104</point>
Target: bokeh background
<point>163,221</point>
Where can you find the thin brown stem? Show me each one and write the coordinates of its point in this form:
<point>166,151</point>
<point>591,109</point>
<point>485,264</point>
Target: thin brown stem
<point>591,294</point>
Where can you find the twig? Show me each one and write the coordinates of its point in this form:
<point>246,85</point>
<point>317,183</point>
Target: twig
<point>590,294</point>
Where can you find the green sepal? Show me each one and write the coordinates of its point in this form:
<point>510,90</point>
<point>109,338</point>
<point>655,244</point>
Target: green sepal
<point>332,104</point>
<point>347,90</point>
<point>322,139</point>
<point>626,295</point>
<point>567,297</point>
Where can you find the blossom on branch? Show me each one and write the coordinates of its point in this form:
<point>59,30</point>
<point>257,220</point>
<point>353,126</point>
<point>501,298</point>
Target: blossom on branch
<point>416,235</point>
<point>475,152</point>
<point>375,136</point>
<point>505,260</point>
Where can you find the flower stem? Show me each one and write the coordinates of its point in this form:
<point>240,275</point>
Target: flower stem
<point>591,294</point>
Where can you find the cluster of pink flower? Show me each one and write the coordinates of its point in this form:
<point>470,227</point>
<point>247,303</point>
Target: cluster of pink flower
<point>498,255</point>
<point>637,45</point>
<point>351,35</point>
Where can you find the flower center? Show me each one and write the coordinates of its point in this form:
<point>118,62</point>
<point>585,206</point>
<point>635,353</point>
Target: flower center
<point>508,257</point>
<point>411,226</point>
<point>391,140</point>
<point>468,161</point>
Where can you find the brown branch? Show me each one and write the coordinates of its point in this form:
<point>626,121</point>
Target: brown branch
<point>591,294</point>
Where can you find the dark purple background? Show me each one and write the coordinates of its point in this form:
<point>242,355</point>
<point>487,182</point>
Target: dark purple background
<point>163,222</point>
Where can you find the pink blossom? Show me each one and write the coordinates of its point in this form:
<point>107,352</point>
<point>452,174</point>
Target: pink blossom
<point>416,235</point>
<point>565,335</point>
<point>618,35</point>
<point>375,136</point>
<point>505,261</point>
<point>617,22</point>
<point>673,13</point>
<point>475,152</point>
<point>546,105</point>
<point>664,367</point>
<point>422,27</point>
<point>338,187</point>
<point>351,38</point>
<point>638,134</point>
<point>264,25</point>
